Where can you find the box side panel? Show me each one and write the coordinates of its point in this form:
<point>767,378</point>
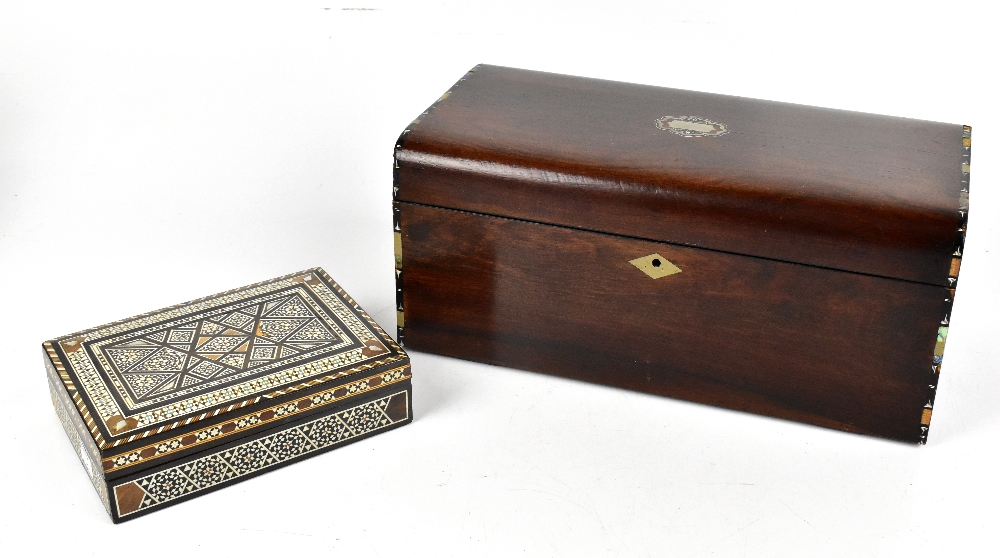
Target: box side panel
<point>77,431</point>
<point>832,348</point>
<point>243,459</point>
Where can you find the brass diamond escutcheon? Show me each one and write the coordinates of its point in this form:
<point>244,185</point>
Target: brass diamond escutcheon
<point>655,266</point>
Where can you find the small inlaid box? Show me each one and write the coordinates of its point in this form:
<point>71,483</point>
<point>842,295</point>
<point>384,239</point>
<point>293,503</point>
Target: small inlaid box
<point>182,401</point>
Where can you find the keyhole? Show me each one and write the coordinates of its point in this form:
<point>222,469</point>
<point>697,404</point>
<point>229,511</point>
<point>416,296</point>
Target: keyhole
<point>656,263</point>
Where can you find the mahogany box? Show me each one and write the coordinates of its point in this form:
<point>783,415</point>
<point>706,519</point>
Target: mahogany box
<point>788,260</point>
<point>176,403</point>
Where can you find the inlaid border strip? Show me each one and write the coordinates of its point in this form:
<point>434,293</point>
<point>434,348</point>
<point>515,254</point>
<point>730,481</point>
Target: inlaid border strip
<point>397,235</point>
<point>74,428</point>
<point>229,465</point>
<point>371,321</point>
<point>397,231</point>
<point>953,271</point>
<point>103,444</point>
<point>252,420</point>
<point>59,368</point>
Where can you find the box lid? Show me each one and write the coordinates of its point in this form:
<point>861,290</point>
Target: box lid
<point>858,192</point>
<point>149,380</point>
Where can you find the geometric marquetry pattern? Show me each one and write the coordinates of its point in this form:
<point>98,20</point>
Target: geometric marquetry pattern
<point>160,362</point>
<point>64,411</point>
<point>238,426</point>
<point>201,360</point>
<point>260,454</point>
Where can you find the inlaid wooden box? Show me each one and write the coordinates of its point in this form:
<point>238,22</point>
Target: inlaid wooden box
<point>787,260</point>
<point>176,403</point>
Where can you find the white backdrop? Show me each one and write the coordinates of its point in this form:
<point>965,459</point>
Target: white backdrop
<point>149,156</point>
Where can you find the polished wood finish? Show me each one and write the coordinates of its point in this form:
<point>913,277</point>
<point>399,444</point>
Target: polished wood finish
<point>833,348</point>
<point>844,190</point>
<point>819,249</point>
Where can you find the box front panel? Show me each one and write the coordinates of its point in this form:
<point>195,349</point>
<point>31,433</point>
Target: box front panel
<point>240,460</point>
<point>249,423</point>
<point>832,348</point>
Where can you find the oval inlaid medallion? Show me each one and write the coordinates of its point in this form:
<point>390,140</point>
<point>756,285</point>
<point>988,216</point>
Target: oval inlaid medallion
<point>691,126</point>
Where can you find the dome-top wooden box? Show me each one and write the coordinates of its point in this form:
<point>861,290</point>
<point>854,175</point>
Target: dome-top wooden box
<point>781,259</point>
<point>179,402</point>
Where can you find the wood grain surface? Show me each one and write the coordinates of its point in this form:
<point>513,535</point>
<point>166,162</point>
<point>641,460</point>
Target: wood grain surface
<point>832,348</point>
<point>838,189</point>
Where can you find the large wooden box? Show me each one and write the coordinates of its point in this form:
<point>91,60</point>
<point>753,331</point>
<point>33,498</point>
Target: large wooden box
<point>787,260</point>
<point>179,402</point>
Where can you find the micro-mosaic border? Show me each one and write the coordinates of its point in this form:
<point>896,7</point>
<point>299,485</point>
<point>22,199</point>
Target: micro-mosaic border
<point>76,431</point>
<point>305,374</point>
<point>274,450</point>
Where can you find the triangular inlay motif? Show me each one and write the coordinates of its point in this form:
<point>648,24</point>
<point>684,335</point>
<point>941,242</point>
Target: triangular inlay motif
<point>205,370</point>
<point>277,329</point>
<point>190,381</point>
<point>211,328</point>
<point>180,336</point>
<point>124,358</point>
<point>293,308</point>
<point>313,331</point>
<point>236,319</point>
<point>158,336</point>
<point>269,305</point>
<point>142,384</point>
<point>167,386</point>
<point>234,360</point>
<point>164,360</point>
<point>221,344</point>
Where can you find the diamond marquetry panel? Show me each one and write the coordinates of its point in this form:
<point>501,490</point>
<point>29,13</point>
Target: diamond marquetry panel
<point>159,362</point>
